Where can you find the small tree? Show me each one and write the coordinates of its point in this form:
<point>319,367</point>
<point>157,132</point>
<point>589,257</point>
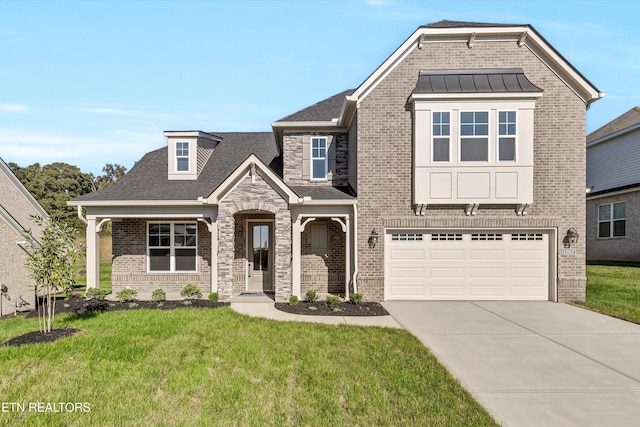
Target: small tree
<point>50,262</point>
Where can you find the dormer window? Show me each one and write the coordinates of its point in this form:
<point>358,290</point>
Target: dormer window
<point>182,156</point>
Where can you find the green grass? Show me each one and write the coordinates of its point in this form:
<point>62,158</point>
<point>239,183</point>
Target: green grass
<point>80,274</point>
<point>614,289</point>
<point>216,367</point>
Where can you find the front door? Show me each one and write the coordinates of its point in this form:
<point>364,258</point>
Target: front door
<point>260,256</point>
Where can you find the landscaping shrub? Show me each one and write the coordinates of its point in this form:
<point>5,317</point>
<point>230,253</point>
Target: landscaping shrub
<point>95,293</point>
<point>355,298</point>
<point>191,292</point>
<point>333,301</point>
<point>293,300</point>
<point>127,295</point>
<point>311,296</point>
<point>158,295</point>
<point>213,297</point>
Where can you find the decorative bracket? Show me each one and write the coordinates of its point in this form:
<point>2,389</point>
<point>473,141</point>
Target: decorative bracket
<point>208,222</point>
<point>253,173</point>
<point>471,209</point>
<point>342,222</point>
<point>420,209</point>
<point>101,224</point>
<point>472,38</point>
<point>305,222</point>
<point>522,209</point>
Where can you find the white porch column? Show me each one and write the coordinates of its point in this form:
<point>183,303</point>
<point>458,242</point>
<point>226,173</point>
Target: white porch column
<point>296,248</point>
<point>213,228</point>
<point>93,254</point>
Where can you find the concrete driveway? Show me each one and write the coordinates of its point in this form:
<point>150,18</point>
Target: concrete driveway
<point>534,363</point>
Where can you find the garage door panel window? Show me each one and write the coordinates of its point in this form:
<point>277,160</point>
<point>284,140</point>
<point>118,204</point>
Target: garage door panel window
<point>446,237</point>
<point>526,236</point>
<point>406,236</point>
<point>612,220</point>
<point>486,236</point>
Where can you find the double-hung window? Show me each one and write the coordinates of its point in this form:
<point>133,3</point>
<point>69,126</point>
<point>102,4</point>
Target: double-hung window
<point>611,220</point>
<point>319,158</point>
<point>441,136</point>
<point>506,136</point>
<point>172,246</point>
<point>474,136</point>
<point>182,156</point>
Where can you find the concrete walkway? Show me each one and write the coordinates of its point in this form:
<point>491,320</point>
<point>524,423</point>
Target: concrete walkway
<point>534,363</point>
<point>268,310</point>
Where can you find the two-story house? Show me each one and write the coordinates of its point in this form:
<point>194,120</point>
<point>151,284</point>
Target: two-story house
<point>613,183</point>
<point>17,209</point>
<point>455,171</point>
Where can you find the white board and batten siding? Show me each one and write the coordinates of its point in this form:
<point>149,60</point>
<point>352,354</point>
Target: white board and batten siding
<point>467,265</point>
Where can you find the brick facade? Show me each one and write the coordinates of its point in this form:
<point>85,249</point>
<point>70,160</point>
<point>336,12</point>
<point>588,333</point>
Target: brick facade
<point>323,272</point>
<point>619,248</point>
<point>384,175</point>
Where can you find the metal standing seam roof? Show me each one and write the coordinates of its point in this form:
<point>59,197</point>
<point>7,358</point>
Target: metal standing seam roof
<point>493,80</point>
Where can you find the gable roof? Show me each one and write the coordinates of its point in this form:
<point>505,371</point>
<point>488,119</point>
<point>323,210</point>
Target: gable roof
<point>488,80</point>
<point>323,111</point>
<point>148,181</point>
<point>626,122</point>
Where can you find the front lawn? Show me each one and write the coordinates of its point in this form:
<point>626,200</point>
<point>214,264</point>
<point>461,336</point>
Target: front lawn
<point>216,367</point>
<point>614,289</point>
<point>80,275</point>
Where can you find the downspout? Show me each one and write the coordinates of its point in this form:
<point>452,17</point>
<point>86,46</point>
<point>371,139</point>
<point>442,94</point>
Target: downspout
<point>355,247</point>
<point>83,219</point>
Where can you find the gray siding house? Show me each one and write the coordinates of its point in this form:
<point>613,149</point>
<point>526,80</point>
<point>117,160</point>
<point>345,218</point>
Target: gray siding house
<point>17,206</point>
<point>455,171</point>
<point>613,184</point>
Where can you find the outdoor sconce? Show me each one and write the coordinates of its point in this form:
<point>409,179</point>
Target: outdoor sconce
<point>373,239</point>
<point>571,237</point>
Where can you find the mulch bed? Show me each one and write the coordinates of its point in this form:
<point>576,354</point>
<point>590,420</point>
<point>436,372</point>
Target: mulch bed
<point>320,308</point>
<point>40,337</point>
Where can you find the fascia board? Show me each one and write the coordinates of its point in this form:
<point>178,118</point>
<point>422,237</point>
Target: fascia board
<point>475,96</point>
<point>613,135</point>
<point>135,203</point>
<point>328,202</point>
<point>571,77</point>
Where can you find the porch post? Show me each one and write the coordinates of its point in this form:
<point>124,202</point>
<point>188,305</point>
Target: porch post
<point>295,256</point>
<point>213,227</point>
<point>93,254</point>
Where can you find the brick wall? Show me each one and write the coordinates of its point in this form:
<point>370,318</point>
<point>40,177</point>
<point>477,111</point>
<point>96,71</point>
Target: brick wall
<point>130,259</point>
<point>323,272</point>
<point>624,248</point>
<point>384,160</point>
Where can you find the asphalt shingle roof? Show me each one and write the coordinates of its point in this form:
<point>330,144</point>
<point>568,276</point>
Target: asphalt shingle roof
<point>147,180</point>
<point>627,120</point>
<point>317,192</point>
<point>323,111</point>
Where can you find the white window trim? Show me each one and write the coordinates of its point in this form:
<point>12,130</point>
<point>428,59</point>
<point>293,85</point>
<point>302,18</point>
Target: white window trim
<point>611,221</point>
<point>172,247</point>
<point>498,136</point>
<point>433,137</point>
<point>490,136</point>
<point>325,158</point>
<point>183,157</point>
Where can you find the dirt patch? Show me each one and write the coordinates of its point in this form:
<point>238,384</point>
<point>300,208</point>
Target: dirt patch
<point>342,309</point>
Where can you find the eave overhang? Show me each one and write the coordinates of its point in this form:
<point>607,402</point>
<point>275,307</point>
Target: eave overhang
<point>613,135</point>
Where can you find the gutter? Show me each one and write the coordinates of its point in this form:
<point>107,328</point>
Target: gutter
<point>355,248</point>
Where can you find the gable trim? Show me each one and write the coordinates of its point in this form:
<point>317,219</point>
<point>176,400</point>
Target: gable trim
<point>22,189</point>
<point>11,221</point>
<point>252,164</point>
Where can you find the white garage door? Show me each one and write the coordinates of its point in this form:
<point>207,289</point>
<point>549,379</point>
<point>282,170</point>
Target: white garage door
<point>452,265</point>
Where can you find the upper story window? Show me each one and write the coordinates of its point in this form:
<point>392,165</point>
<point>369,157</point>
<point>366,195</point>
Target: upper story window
<point>611,220</point>
<point>507,136</point>
<point>172,246</point>
<point>182,156</point>
<point>319,158</point>
<point>474,136</point>
<point>441,136</point>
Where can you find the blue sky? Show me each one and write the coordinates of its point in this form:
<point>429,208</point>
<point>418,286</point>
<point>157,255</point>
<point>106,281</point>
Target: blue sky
<point>93,82</point>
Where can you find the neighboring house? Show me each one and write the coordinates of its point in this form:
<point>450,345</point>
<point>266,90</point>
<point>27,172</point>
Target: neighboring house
<point>613,185</point>
<point>455,171</point>
<point>17,208</point>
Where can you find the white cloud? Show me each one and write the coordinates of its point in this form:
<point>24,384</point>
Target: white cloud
<point>88,152</point>
<point>15,108</point>
<point>127,113</point>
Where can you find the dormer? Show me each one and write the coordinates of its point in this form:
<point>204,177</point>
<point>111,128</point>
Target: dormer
<point>188,152</point>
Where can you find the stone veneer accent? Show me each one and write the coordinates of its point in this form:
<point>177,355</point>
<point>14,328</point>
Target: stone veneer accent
<point>619,248</point>
<point>129,269</point>
<point>384,161</point>
<point>325,275</point>
<point>297,169</point>
<point>252,198</point>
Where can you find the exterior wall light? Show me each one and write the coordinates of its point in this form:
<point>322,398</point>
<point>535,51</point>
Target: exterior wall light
<point>373,238</point>
<point>571,237</point>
